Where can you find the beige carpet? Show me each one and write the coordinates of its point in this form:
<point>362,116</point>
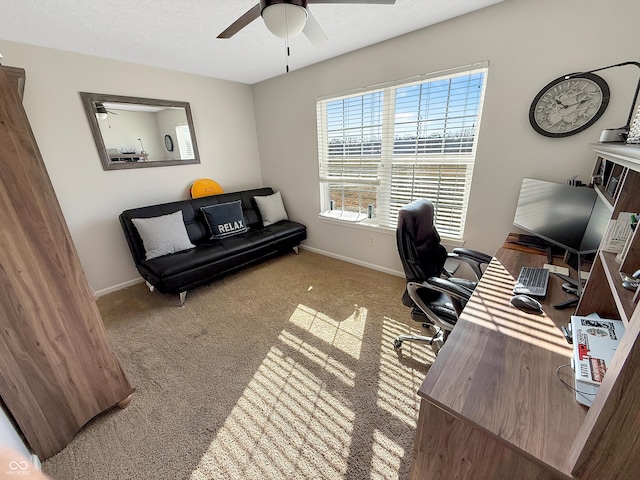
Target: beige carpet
<point>285,370</point>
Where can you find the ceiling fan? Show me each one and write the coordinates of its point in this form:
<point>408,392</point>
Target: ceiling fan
<point>102,112</point>
<point>288,18</point>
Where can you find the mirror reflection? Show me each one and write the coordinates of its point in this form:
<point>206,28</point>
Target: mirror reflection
<point>132,132</point>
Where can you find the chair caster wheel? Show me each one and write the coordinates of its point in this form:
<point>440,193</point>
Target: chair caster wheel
<point>397,344</point>
<point>436,345</point>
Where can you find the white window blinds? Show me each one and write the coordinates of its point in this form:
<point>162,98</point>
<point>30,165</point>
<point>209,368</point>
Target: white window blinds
<point>381,149</point>
<point>185,147</point>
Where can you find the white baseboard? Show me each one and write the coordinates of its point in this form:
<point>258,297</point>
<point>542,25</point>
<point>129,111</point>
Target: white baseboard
<point>129,283</point>
<point>354,261</point>
<point>119,286</point>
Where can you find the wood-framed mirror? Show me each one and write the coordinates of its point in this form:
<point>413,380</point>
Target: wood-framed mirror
<point>134,132</point>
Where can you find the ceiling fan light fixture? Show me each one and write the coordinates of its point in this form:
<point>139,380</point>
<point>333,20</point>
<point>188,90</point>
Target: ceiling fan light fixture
<point>284,20</point>
<point>101,111</point>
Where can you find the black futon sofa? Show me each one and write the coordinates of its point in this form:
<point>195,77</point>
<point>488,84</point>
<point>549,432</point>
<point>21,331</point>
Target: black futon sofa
<point>210,259</point>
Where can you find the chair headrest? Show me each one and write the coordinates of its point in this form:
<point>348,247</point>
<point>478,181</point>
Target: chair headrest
<point>418,241</point>
<point>416,220</point>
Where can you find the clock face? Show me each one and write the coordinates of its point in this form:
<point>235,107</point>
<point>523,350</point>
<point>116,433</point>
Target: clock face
<point>567,106</point>
<point>168,143</point>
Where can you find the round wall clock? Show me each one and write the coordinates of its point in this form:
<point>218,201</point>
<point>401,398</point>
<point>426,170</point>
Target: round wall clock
<point>567,106</point>
<point>168,143</point>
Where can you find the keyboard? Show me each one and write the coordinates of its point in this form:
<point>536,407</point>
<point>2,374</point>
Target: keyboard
<point>532,281</point>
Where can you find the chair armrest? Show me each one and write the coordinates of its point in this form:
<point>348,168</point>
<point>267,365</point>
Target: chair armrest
<point>464,282</point>
<point>473,258</point>
<point>473,255</point>
<point>446,286</point>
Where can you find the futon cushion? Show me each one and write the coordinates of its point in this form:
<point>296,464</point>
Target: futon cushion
<point>271,208</point>
<point>163,235</point>
<point>225,219</point>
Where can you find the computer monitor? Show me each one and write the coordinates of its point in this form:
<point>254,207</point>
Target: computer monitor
<point>573,218</point>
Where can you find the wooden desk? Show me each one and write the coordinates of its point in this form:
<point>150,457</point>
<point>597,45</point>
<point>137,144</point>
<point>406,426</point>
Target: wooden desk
<point>492,406</point>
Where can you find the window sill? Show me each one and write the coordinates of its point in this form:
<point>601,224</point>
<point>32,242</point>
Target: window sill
<point>365,225</point>
<point>362,224</point>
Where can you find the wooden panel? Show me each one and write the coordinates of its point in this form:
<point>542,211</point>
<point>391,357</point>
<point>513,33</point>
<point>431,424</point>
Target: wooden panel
<point>497,370</point>
<point>622,297</point>
<point>16,76</point>
<point>631,262</point>
<point>56,368</point>
<point>601,300</point>
<point>608,444</point>
<point>627,200</point>
<point>448,448</point>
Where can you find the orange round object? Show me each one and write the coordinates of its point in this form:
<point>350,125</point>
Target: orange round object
<point>204,187</point>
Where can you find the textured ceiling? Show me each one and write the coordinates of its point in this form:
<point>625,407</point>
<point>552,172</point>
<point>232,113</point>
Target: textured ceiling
<point>181,34</point>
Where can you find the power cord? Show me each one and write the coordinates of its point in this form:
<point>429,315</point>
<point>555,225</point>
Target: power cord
<point>566,384</point>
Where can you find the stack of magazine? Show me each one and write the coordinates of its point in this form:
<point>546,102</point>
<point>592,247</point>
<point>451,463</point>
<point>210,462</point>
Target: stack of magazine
<point>595,340</point>
<point>618,233</point>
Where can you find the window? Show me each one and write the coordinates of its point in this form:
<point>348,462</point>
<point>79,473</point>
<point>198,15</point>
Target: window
<point>183,136</point>
<point>382,148</point>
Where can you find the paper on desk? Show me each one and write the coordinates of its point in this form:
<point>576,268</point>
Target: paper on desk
<point>617,233</point>
<point>556,269</point>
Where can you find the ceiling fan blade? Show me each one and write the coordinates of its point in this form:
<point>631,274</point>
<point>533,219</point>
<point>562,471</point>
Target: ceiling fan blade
<point>241,22</point>
<point>380,2</point>
<point>313,31</point>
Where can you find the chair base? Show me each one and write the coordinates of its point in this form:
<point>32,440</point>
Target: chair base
<point>435,342</point>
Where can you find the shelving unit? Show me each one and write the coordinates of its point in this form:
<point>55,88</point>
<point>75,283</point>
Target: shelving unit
<point>617,174</point>
<point>608,439</point>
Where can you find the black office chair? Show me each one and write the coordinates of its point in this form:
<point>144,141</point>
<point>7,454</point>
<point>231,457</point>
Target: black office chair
<point>434,295</point>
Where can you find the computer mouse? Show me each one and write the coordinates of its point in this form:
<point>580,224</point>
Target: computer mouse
<point>526,303</point>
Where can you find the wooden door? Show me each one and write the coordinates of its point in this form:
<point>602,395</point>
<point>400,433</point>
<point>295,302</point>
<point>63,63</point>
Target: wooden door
<point>56,368</point>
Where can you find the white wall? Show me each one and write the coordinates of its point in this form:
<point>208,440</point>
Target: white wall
<point>91,198</point>
<point>167,121</point>
<point>122,131</point>
<point>527,44</point>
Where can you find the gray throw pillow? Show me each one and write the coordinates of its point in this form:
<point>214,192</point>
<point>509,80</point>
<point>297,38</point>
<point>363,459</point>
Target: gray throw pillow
<point>225,219</point>
<point>163,235</point>
<point>271,208</point>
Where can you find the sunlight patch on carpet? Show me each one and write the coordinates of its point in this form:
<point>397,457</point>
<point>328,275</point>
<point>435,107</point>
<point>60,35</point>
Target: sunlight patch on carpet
<point>345,335</point>
<point>320,358</point>
<point>285,421</point>
<point>387,454</point>
<point>293,396</point>
<point>398,397</point>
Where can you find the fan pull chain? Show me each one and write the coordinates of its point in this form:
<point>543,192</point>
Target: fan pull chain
<point>286,41</point>
<point>288,54</point>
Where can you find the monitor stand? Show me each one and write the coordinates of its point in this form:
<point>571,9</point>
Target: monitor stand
<point>571,286</point>
<point>569,303</point>
<point>536,243</point>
